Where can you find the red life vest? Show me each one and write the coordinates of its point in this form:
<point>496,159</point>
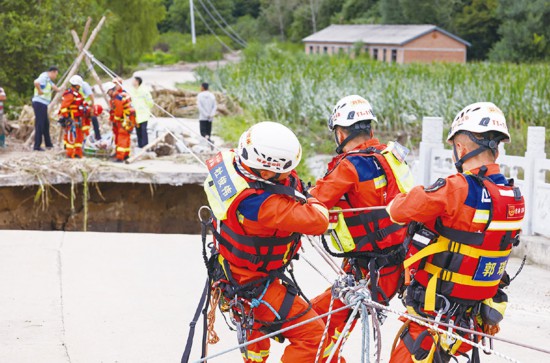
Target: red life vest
<point>467,267</point>
<point>252,252</point>
<point>372,231</point>
<point>76,108</point>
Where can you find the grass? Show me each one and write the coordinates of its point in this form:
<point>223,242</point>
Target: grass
<point>283,84</point>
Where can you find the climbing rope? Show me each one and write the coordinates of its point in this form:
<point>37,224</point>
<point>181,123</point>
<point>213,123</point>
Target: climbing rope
<point>270,335</point>
<point>213,338</point>
<point>434,326</point>
<point>302,256</point>
<point>325,332</point>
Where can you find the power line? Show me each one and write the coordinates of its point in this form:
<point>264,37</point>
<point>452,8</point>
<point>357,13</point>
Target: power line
<point>226,24</point>
<point>220,26</point>
<point>213,32</point>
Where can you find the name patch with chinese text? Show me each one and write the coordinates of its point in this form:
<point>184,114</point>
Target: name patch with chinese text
<point>490,268</point>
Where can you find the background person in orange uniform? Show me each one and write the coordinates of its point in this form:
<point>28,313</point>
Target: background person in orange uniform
<point>260,214</point>
<point>72,112</point>
<point>360,176</point>
<point>466,226</point>
<point>123,118</point>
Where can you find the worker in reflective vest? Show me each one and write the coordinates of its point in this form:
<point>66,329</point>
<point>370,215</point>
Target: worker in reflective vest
<point>364,174</point>
<point>123,118</point>
<point>72,111</point>
<point>464,229</point>
<point>259,214</point>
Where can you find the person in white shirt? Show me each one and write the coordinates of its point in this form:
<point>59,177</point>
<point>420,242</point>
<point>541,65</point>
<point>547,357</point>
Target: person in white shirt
<point>43,89</point>
<point>206,102</point>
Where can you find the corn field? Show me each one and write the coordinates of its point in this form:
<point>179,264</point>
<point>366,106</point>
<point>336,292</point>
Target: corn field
<point>300,90</point>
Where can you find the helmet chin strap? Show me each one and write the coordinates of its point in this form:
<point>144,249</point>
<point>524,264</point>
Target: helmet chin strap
<point>358,128</point>
<point>484,144</point>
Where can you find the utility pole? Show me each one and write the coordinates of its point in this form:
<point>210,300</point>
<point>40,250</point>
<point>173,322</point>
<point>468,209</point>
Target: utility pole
<point>192,14</point>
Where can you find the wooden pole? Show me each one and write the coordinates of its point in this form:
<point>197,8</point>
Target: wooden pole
<point>77,62</point>
<point>147,148</point>
<point>71,73</point>
<point>85,33</point>
<point>95,76</point>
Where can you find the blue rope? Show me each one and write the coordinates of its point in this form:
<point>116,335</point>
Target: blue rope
<point>255,302</point>
<point>365,349</point>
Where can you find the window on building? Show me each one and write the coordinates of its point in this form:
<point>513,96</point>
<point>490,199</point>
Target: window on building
<point>375,53</point>
<point>317,50</point>
<point>332,50</point>
<point>325,50</point>
<point>311,49</point>
<point>394,55</point>
<point>384,55</point>
<point>340,50</point>
<point>366,50</point>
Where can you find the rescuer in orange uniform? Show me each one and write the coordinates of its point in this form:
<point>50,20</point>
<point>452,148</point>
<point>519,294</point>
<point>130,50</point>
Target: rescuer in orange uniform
<point>122,116</point>
<point>72,111</point>
<point>364,174</point>
<point>259,215</point>
<point>465,228</point>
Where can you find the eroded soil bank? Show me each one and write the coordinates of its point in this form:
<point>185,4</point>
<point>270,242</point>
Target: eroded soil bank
<point>111,207</point>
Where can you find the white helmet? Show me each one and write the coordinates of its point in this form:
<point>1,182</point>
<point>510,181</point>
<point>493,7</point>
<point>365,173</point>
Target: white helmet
<point>478,118</point>
<point>76,80</point>
<point>350,110</point>
<point>109,86</point>
<point>270,146</point>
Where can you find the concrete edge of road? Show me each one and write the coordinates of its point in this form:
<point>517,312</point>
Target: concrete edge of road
<point>536,248</point>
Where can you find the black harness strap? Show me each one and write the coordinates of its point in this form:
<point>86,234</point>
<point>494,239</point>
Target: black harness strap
<point>257,242</point>
<point>193,323</point>
<point>467,238</point>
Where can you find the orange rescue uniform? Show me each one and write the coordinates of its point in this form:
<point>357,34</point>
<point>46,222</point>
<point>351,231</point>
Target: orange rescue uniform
<point>123,118</point>
<point>357,178</point>
<point>73,107</point>
<point>268,214</point>
<point>462,203</point>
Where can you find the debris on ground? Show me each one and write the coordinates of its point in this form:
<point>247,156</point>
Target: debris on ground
<point>183,103</point>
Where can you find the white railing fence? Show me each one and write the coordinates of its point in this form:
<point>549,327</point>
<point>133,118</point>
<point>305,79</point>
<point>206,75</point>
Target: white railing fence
<point>529,171</point>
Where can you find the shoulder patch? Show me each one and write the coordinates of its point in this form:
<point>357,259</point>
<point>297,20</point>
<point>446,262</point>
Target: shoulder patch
<point>440,183</point>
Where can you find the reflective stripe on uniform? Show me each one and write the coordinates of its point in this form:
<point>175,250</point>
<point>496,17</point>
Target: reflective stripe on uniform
<point>380,182</point>
<point>481,216</point>
<point>505,225</point>
<point>333,340</point>
<point>256,356</point>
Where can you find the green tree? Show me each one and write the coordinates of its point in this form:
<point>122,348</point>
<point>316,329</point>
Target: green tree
<point>247,7</point>
<point>478,24</point>
<point>36,35</point>
<point>277,15</point>
<point>131,30</point>
<point>360,11</point>
<point>391,12</point>
<point>524,31</point>
<point>327,10</point>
